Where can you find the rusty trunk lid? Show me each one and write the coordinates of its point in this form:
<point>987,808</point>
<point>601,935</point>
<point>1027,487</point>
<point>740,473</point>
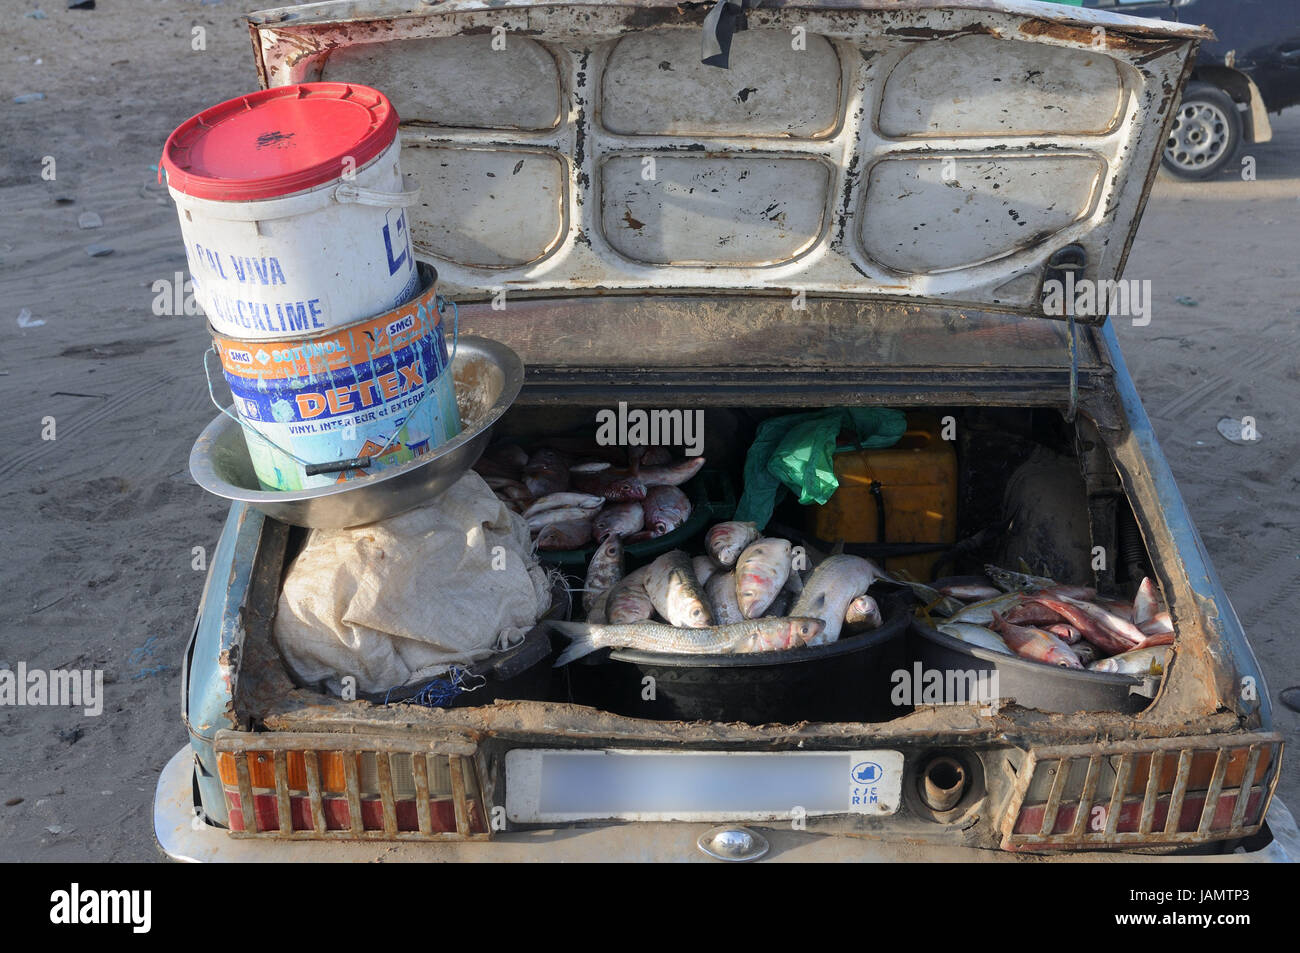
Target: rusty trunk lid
<point>935,155</point>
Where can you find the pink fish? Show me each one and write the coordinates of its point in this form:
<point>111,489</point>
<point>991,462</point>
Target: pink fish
<point>1032,643</point>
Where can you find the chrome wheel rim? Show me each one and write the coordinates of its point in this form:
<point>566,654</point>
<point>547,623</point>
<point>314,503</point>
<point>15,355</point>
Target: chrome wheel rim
<point>1199,136</point>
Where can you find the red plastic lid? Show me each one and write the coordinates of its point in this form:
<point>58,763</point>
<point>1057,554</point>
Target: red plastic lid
<point>278,141</point>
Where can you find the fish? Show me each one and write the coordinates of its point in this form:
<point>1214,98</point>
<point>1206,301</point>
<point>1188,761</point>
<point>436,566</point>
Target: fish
<point>486,467</point>
<point>590,466</point>
<point>546,473</point>
<point>655,456</point>
<point>508,455</point>
<point>752,635</point>
<point>677,597</point>
<point>836,582</point>
<point>1146,603</point>
<point>1009,581</point>
<point>509,489</point>
<point>721,590</point>
<point>1161,623</point>
<point>724,542</point>
<point>564,514</point>
<point>1033,643</point>
<point>1082,619</point>
<point>614,484</point>
<point>704,569</point>
<point>621,519</point>
<point>761,571</point>
<point>862,615</point>
<point>584,447</point>
<point>603,571</point>
<point>1032,613</point>
<point>555,501</point>
<point>970,592</point>
<point>979,635</point>
<point>628,601</point>
<point>1118,606</point>
<point>932,600</point>
<point>596,614</point>
<point>780,605</point>
<point>1109,620</point>
<point>1087,652</point>
<point>1146,661</point>
<point>666,508</point>
<point>671,474</point>
<point>570,534</point>
<point>981,613</point>
<point>1066,633</point>
<point>1160,638</point>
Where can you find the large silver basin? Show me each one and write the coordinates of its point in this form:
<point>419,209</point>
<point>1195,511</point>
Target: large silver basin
<point>488,377</point>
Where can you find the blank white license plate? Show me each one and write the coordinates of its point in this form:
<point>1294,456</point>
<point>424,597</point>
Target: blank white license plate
<point>554,786</point>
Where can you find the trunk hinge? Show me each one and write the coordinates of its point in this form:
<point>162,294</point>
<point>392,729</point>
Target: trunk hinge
<point>1071,258</point>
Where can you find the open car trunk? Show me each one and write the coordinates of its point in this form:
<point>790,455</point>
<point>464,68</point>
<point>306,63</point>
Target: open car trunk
<point>861,211</point>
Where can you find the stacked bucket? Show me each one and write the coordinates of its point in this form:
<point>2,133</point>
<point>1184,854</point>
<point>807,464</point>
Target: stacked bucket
<point>295,219</point>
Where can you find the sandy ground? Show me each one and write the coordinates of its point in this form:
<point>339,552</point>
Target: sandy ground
<point>99,524</point>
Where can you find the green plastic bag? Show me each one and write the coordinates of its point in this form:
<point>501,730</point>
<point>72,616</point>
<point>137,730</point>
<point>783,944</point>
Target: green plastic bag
<point>796,453</point>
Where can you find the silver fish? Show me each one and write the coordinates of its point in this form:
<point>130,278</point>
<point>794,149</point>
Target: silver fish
<point>726,541</point>
<point>704,569</point>
<point>981,613</point>
<point>621,519</point>
<point>862,615</point>
<point>976,635</point>
<point>563,514</point>
<point>590,466</point>
<point>1146,603</point>
<point>604,570</point>
<point>761,571</point>
<point>1009,581</point>
<point>836,582</point>
<point>970,592</point>
<point>753,635</point>
<point>628,601</point>
<point>570,534</point>
<point>676,595</point>
<point>721,590</point>
<point>1148,661</point>
<point>555,501</point>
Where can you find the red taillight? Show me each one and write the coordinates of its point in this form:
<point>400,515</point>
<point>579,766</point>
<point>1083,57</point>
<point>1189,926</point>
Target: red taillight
<point>339,787</point>
<point>1175,791</point>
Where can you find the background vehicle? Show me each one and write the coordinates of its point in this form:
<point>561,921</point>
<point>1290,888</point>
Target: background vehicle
<point>1250,69</point>
<point>678,292</point>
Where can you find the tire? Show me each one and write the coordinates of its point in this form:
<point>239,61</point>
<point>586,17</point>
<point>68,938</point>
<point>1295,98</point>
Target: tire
<point>1205,135</point>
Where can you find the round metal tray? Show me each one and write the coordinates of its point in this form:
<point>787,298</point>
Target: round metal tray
<point>488,377</point>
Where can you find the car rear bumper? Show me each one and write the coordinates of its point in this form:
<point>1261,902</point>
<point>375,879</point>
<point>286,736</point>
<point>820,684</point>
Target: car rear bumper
<point>183,840</point>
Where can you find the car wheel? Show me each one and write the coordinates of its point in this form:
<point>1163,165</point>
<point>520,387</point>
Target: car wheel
<point>1205,133</point>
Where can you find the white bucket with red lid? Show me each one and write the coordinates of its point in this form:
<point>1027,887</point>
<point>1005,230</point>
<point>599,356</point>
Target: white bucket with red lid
<point>293,209</point>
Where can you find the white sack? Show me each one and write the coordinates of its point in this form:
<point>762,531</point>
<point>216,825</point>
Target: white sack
<point>400,601</point>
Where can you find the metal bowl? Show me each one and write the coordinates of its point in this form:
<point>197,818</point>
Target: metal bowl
<point>488,378</point>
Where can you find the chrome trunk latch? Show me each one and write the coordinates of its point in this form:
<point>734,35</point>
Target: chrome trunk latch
<point>1071,258</point>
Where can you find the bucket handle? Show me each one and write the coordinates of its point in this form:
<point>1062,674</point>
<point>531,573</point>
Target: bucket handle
<point>346,193</point>
<point>244,425</point>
